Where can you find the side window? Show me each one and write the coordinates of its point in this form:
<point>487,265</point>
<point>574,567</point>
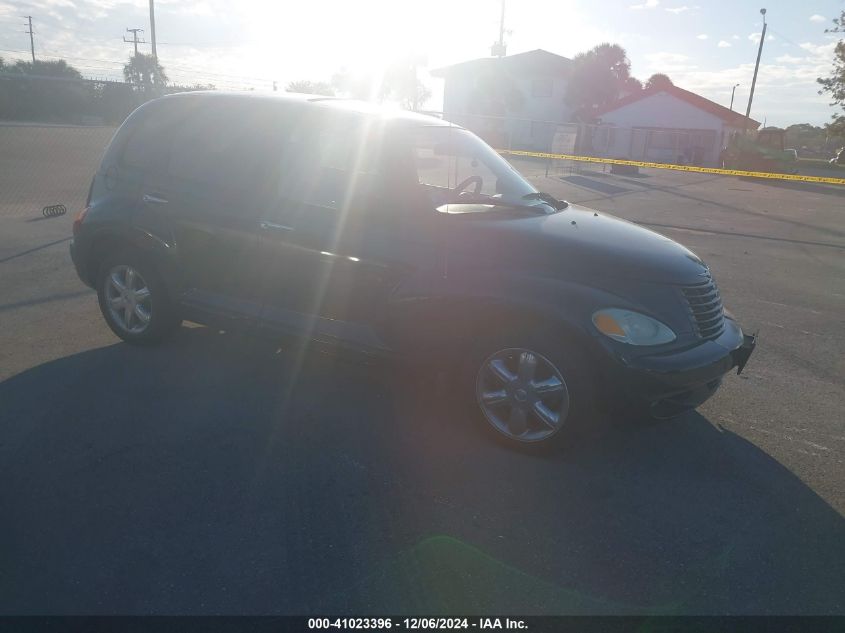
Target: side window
<point>327,165</point>
<point>225,152</point>
<point>149,142</point>
<point>444,166</point>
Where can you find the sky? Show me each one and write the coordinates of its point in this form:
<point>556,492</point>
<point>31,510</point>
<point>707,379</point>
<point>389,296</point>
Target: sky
<point>705,46</point>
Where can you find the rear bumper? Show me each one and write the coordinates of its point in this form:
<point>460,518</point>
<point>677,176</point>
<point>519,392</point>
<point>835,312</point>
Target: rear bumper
<point>77,263</point>
<point>669,383</point>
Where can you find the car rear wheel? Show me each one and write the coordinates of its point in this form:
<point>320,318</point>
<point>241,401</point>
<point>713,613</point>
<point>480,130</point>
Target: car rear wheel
<point>533,390</point>
<point>134,301</point>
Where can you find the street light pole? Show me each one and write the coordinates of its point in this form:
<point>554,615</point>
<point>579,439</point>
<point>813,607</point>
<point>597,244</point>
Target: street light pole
<point>153,30</point>
<point>733,90</point>
<point>756,67</point>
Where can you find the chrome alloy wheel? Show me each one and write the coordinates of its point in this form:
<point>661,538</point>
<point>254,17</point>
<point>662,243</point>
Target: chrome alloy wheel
<point>522,394</point>
<point>128,299</point>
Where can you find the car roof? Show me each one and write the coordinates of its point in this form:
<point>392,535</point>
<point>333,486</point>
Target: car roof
<point>288,100</point>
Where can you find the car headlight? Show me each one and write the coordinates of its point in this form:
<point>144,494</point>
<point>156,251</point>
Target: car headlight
<point>632,327</point>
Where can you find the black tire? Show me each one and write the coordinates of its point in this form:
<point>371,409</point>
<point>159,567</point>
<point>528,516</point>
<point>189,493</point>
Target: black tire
<point>163,318</point>
<point>583,416</point>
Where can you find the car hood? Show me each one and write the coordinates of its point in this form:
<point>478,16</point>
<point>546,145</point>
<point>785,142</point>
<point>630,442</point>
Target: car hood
<point>576,243</point>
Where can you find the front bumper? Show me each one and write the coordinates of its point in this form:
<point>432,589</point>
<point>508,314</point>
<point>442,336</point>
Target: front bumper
<point>672,382</point>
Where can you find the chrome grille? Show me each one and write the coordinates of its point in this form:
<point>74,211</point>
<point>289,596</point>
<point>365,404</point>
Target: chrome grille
<point>705,304</point>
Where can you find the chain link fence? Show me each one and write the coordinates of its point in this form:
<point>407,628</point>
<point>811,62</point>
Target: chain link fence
<point>699,147</point>
<point>44,164</point>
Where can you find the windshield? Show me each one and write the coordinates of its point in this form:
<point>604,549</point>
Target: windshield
<point>453,165</point>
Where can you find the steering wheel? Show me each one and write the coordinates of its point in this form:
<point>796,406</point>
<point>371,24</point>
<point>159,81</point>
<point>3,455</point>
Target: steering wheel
<point>466,182</point>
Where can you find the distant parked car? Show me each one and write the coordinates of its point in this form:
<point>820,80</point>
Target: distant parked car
<point>793,153</point>
<point>397,234</point>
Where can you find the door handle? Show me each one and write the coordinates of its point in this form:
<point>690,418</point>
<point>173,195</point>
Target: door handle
<point>148,199</point>
<point>272,226</point>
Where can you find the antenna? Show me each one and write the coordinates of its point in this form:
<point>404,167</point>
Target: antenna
<point>499,49</point>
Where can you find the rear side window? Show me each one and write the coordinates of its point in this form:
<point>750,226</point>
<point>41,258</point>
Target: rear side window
<point>148,144</point>
<point>225,149</point>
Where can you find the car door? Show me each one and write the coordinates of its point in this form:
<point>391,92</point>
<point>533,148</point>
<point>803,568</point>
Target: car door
<point>217,180</point>
<point>333,242</point>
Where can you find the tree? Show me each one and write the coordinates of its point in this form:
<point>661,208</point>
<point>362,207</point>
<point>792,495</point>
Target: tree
<point>658,81</point>
<point>144,73</point>
<point>834,84</point>
<point>311,87</point>
<point>812,138</point>
<point>598,77</point>
<point>356,85</point>
<point>630,86</point>
<point>400,82</point>
<point>40,68</point>
<point>44,91</point>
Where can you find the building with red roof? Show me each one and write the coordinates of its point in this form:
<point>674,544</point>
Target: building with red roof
<point>665,124</point>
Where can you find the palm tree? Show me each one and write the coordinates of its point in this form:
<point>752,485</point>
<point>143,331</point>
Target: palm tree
<point>144,73</point>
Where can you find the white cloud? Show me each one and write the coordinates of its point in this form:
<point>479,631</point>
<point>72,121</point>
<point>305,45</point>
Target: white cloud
<point>665,62</point>
<point>723,44</point>
<point>702,36</point>
<point>677,10</point>
<point>817,18</point>
<point>663,57</point>
<point>786,88</point>
<point>648,4</point>
<point>734,37</point>
<point>823,51</point>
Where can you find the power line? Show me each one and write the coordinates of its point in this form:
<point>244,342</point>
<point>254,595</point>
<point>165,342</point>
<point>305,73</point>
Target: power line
<point>190,74</point>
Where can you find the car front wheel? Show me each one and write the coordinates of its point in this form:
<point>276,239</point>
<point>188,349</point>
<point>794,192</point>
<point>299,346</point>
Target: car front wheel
<point>533,390</point>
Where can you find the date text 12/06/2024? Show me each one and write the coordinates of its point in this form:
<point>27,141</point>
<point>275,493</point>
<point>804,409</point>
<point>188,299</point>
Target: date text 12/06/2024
<point>416,623</point>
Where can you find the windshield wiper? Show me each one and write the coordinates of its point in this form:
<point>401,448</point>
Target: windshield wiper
<point>547,198</point>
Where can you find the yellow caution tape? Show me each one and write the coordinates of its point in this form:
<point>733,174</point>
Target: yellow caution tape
<point>700,170</point>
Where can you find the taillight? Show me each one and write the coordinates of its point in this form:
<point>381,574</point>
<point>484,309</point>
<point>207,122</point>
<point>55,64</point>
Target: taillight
<point>77,221</point>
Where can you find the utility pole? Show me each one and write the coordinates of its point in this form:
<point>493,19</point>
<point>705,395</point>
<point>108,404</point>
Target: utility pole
<point>733,90</point>
<point>134,39</point>
<point>756,68</point>
<point>153,30</point>
<point>498,49</point>
<point>31,40</point>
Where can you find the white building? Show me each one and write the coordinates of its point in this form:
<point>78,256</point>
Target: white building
<point>511,101</point>
<point>666,124</point>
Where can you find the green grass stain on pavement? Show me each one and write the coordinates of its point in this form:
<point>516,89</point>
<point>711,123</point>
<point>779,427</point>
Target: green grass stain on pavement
<point>445,576</point>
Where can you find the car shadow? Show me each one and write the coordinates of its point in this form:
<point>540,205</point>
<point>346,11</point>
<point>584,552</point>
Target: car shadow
<point>595,185</point>
<point>809,187</point>
<point>217,474</point>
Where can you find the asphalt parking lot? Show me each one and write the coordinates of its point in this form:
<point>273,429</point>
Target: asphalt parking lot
<point>216,474</point>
